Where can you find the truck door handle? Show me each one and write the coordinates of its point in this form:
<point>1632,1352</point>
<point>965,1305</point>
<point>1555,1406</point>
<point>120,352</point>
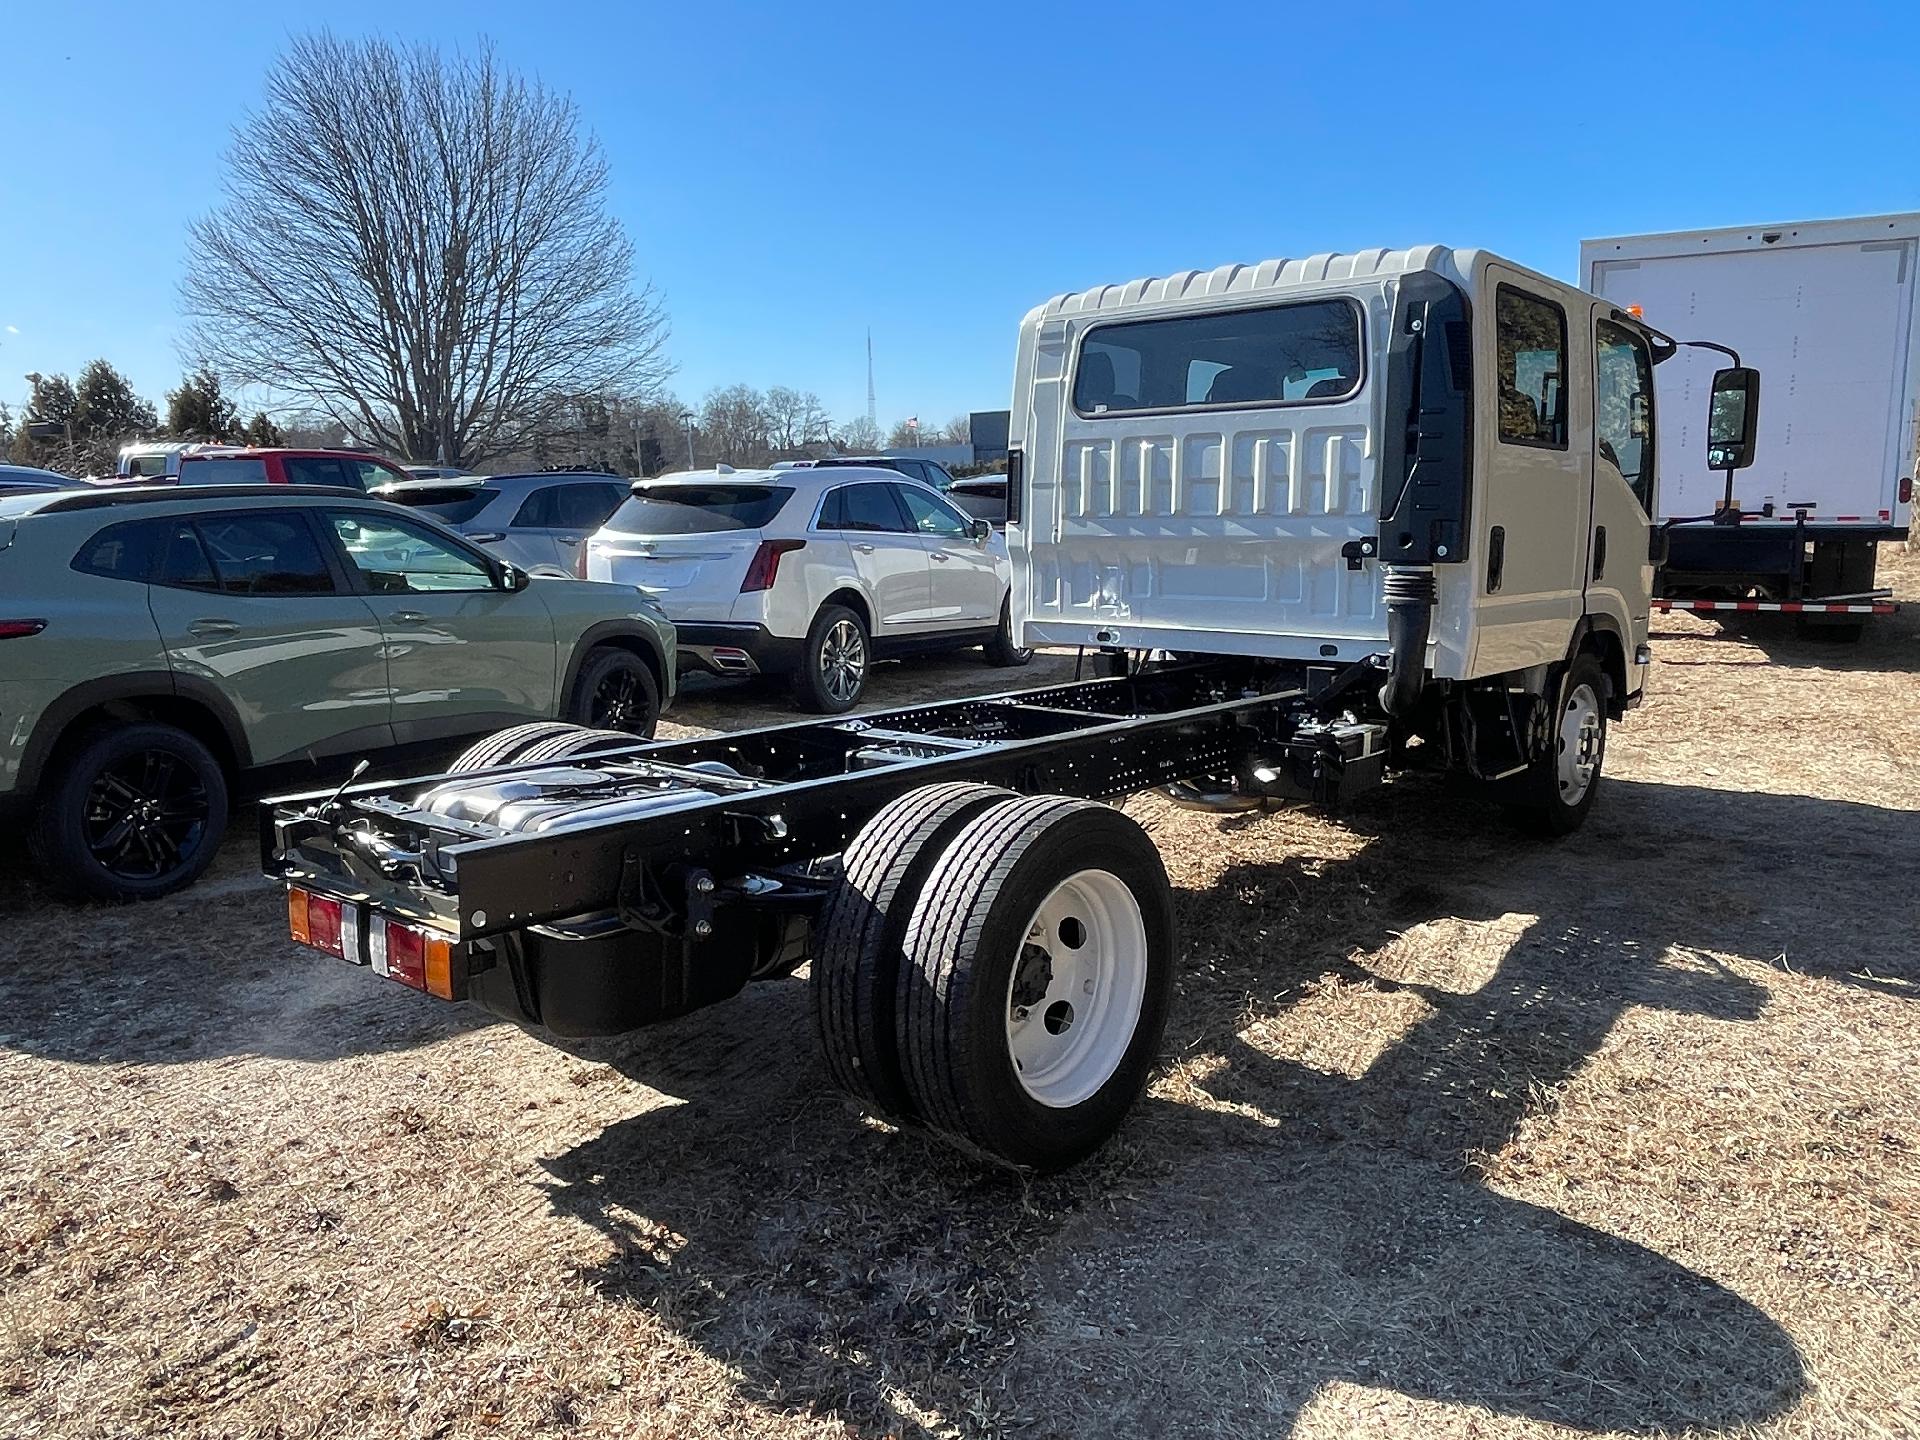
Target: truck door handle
<point>940,555</point>
<point>1496,557</point>
<point>863,547</point>
<point>410,617</point>
<point>1599,551</point>
<point>206,629</point>
<point>568,539</point>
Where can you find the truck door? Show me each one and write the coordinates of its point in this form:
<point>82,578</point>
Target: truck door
<point>1536,488</point>
<point>1619,571</point>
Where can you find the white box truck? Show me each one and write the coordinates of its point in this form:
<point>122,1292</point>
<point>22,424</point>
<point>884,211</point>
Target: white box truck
<point>1824,310</point>
<point>1331,519</point>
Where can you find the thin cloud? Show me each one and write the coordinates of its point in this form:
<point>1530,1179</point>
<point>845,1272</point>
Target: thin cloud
<point>13,329</point>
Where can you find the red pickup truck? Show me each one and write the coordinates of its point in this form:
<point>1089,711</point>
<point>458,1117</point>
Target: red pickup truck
<point>245,465</point>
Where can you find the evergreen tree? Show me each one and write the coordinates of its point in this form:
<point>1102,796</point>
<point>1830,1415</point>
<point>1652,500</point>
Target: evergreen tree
<point>200,409</point>
<point>262,431</point>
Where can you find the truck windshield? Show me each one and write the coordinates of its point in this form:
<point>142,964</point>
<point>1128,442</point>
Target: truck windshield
<point>1279,354</point>
<point>697,509</point>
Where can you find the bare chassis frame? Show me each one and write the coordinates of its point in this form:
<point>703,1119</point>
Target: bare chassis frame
<point>802,791</point>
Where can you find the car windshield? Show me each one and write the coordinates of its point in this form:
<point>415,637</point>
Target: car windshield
<point>449,504</point>
<point>698,509</point>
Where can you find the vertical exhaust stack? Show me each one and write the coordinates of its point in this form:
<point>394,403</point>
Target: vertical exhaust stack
<point>1409,592</point>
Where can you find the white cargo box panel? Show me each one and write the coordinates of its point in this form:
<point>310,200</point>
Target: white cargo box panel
<point>1207,527</point>
<point>1824,310</point>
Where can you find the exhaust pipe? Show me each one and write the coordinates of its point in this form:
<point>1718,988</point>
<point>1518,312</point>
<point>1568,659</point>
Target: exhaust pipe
<point>1410,593</point>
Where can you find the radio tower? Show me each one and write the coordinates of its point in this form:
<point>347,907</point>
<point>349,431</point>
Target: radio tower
<point>872,418</point>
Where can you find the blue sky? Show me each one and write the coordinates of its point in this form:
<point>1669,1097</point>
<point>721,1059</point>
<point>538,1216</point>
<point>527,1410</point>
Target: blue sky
<point>792,174</point>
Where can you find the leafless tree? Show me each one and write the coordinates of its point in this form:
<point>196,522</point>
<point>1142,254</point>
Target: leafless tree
<point>734,425</point>
<point>418,246</point>
<point>794,417</point>
<point>957,431</point>
<point>859,435</point>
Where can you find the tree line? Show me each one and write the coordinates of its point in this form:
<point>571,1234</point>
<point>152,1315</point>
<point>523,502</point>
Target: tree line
<point>413,255</point>
<point>77,426</point>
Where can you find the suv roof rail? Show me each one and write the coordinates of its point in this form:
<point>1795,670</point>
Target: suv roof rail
<point>108,497</point>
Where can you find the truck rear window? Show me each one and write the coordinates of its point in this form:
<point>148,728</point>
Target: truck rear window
<point>1276,355</point>
<point>698,509</point>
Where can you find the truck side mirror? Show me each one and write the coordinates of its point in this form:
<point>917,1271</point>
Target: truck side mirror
<point>1733,418</point>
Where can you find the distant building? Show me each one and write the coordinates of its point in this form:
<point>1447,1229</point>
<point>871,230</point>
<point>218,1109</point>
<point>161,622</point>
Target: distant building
<point>987,443</point>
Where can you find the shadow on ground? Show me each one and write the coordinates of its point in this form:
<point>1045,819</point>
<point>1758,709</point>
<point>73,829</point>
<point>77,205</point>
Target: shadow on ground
<point>1218,1265</point>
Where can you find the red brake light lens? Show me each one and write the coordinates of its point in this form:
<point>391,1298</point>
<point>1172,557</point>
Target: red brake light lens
<point>580,559</point>
<point>323,925</point>
<point>20,629</point>
<point>764,568</point>
<point>1906,489</point>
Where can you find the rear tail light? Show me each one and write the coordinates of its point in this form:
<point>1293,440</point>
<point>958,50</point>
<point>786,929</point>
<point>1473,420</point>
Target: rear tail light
<point>1016,478</point>
<point>20,629</point>
<point>580,559</point>
<point>322,923</point>
<point>764,568</point>
<point>1906,489</point>
<point>413,956</point>
<point>418,957</point>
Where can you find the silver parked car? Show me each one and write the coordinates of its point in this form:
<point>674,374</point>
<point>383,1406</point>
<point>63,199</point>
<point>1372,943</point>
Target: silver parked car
<point>537,522</point>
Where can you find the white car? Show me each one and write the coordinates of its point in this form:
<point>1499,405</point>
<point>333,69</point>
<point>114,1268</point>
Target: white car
<point>813,573</point>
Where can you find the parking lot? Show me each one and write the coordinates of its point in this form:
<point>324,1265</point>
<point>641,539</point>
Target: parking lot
<point>1459,1134</point>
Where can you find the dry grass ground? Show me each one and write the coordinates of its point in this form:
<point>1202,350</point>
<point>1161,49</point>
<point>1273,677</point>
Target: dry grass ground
<point>1459,1135</point>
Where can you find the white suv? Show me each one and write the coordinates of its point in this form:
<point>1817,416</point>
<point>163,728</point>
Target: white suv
<point>812,573</point>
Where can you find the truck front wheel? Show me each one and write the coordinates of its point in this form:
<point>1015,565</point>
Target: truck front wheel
<point>1040,971</point>
<point>1554,794</point>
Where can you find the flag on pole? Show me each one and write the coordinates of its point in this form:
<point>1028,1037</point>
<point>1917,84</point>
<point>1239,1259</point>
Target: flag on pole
<point>913,423</point>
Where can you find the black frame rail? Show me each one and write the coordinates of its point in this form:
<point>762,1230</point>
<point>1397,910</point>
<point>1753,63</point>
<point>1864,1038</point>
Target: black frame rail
<point>798,792</point>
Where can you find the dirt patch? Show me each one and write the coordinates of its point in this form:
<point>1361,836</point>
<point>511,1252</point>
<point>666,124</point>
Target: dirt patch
<point>1458,1135</point>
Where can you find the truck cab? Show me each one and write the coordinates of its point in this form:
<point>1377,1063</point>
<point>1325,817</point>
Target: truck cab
<point>1230,461</point>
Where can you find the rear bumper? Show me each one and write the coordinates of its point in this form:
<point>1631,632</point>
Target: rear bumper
<point>720,648</point>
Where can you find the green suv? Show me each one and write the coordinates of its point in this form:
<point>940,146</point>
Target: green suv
<point>157,643</point>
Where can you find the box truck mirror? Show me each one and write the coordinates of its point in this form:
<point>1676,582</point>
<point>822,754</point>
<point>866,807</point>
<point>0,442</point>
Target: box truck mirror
<point>1733,418</point>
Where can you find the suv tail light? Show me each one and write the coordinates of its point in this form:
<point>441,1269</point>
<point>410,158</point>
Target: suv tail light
<point>580,559</point>
<point>764,568</point>
<point>20,629</point>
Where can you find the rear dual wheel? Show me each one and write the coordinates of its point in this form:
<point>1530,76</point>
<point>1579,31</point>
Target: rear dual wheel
<point>1030,982</point>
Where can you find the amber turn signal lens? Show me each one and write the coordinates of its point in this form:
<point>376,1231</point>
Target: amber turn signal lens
<point>439,966</point>
<point>297,916</point>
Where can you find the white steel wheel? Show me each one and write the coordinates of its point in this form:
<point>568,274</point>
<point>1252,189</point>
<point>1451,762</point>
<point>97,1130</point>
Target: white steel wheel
<point>1580,743</point>
<point>1038,975</point>
<point>1074,996</point>
<point>1562,780</point>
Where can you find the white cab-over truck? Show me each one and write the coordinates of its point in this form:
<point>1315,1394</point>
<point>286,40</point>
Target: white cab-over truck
<point>1325,519</point>
<point>1825,309</point>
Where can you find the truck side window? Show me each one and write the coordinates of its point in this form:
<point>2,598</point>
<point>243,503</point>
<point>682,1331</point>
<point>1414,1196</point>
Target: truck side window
<point>1623,406</point>
<point>1531,335</point>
